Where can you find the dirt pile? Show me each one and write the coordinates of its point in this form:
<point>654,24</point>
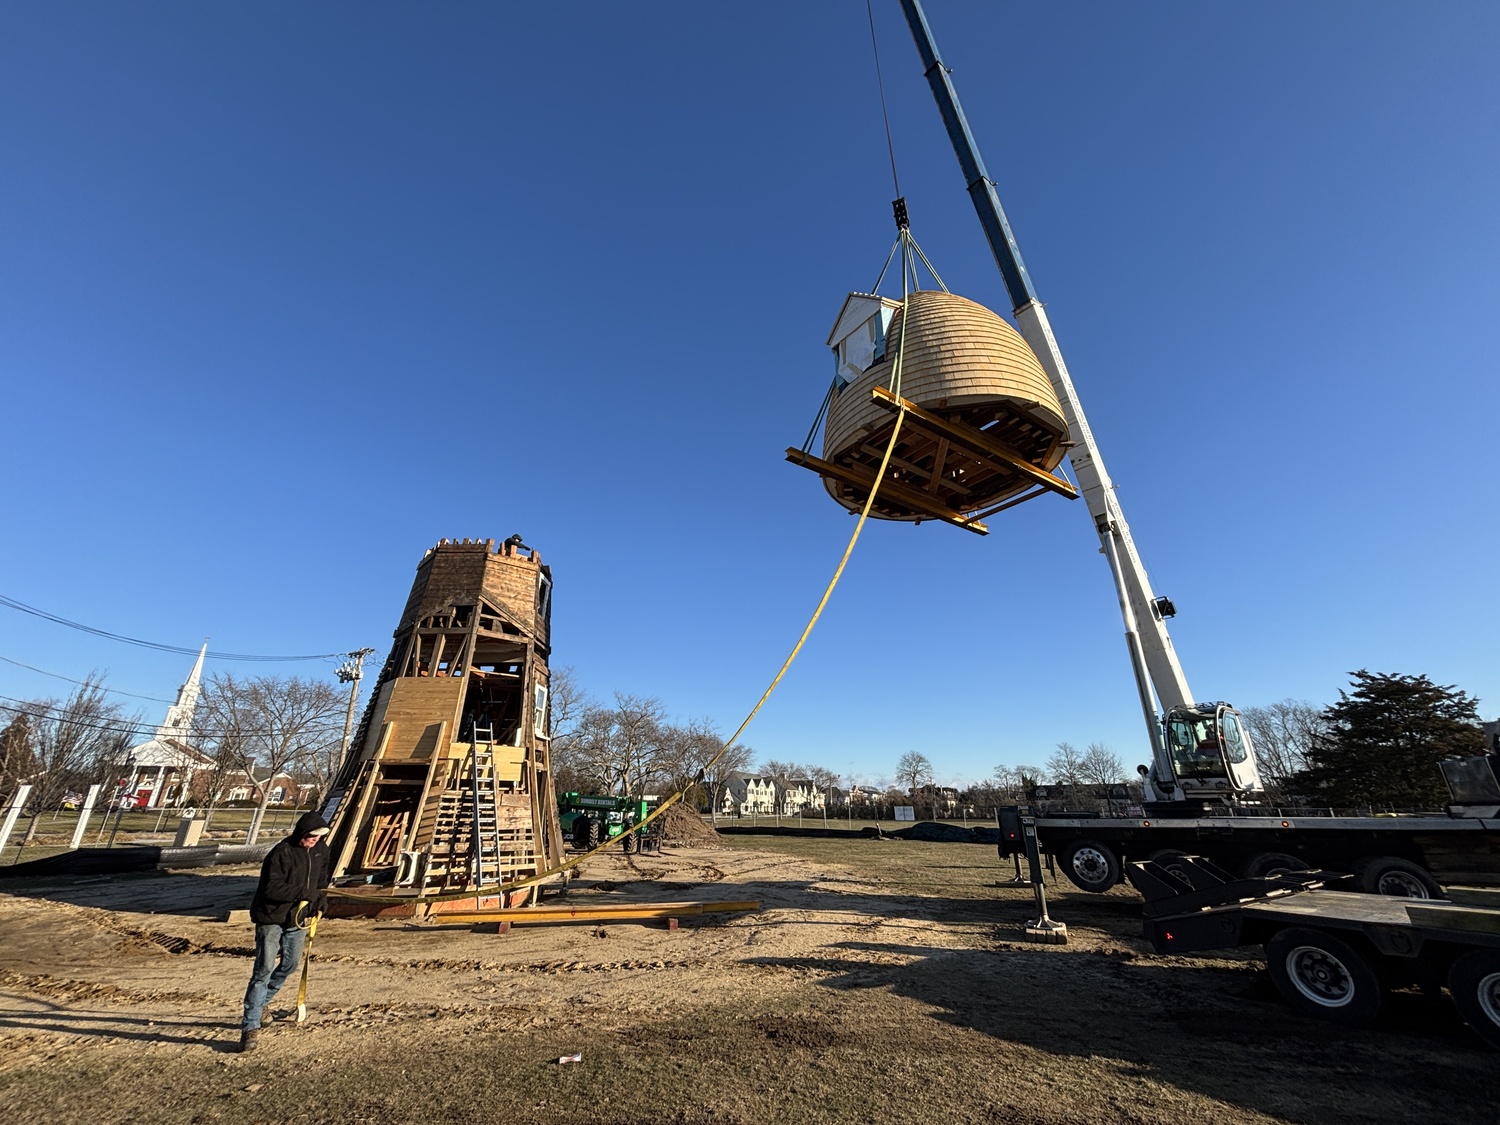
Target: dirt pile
<point>682,826</point>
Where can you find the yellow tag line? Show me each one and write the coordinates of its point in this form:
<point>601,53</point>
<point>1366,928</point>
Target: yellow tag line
<point>619,911</point>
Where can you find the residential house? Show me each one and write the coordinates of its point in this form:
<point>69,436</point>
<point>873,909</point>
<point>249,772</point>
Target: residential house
<point>747,794</point>
<point>941,800</point>
<point>798,797</point>
<point>285,789</point>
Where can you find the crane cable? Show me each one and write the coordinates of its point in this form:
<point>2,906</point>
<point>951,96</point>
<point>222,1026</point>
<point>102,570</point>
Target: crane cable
<point>904,240</point>
<point>884,113</point>
<point>477,893</point>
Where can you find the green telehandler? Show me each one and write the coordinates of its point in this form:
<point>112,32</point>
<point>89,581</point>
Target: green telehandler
<point>589,820</point>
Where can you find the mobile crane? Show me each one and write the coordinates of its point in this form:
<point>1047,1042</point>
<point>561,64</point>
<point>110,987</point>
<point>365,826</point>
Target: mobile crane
<point>1202,791</point>
<point>1200,752</point>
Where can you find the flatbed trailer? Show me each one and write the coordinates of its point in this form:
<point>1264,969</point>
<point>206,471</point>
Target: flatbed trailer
<point>1332,954</point>
<point>1407,856</point>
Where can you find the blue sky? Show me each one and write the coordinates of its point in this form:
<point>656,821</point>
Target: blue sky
<point>289,292</point>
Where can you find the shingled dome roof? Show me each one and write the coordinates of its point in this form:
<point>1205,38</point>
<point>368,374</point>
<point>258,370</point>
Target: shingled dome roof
<point>962,361</point>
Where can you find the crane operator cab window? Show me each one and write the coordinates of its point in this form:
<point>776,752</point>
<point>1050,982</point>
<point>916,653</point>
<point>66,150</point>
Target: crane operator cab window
<point>1234,739</point>
<point>1195,747</point>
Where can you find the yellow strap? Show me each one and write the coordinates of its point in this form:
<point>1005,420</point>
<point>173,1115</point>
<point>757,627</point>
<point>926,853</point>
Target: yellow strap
<point>312,930</point>
<point>533,880</point>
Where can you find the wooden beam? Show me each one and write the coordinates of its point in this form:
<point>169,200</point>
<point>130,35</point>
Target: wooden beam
<point>919,502</point>
<point>602,912</point>
<point>976,440</point>
<point>939,464</point>
<point>1011,503</point>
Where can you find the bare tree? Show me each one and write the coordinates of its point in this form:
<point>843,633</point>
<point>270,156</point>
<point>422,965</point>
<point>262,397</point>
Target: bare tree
<point>822,777</point>
<point>734,759</point>
<point>73,742</point>
<point>16,756</point>
<point>1101,766</point>
<point>1283,734</point>
<point>1013,782</point>
<point>621,746</point>
<point>570,713</point>
<point>271,725</point>
<point>320,761</point>
<point>914,770</point>
<point>780,770</point>
<point>566,703</point>
<point>1066,765</point>
<point>686,750</point>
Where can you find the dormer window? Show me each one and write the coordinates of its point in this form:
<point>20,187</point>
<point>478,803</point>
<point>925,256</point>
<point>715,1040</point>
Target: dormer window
<point>859,334</point>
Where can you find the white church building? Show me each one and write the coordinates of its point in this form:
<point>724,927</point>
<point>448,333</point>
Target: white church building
<point>160,772</point>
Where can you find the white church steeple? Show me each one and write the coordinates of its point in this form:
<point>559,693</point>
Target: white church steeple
<point>179,721</point>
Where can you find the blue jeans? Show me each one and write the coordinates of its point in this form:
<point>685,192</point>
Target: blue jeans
<point>271,942</point>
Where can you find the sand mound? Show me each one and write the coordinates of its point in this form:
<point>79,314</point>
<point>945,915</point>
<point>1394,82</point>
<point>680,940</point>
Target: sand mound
<point>682,826</point>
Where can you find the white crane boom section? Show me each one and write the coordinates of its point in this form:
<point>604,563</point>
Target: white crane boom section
<point>1151,653</point>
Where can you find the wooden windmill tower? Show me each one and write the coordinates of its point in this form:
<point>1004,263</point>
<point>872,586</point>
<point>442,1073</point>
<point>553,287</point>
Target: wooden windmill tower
<point>448,785</point>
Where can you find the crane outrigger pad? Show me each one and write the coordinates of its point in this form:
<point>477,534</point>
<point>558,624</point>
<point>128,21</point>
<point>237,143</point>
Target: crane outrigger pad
<point>943,468</point>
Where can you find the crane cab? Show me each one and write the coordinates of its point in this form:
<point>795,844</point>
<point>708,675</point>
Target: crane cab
<point>1208,757</point>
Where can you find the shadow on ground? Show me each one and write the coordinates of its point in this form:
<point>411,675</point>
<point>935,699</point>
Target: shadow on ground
<point>148,892</point>
<point>1213,1029</point>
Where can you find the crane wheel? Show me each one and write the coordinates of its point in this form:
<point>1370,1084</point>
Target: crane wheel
<point>1323,977</point>
<point>1091,865</point>
<point>1388,875</point>
<point>1474,982</point>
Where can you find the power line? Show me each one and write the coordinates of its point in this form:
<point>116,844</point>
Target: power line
<point>133,728</point>
<point>84,683</point>
<point>11,603</point>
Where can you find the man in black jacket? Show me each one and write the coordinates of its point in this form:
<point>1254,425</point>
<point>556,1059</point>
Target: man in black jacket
<point>293,882</point>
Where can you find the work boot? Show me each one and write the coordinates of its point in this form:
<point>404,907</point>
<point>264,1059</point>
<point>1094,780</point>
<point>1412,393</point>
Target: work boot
<point>247,1041</point>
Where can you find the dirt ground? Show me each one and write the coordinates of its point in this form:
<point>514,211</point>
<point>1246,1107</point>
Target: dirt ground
<point>882,980</point>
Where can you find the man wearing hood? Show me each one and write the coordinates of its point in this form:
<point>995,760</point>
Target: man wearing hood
<point>293,885</point>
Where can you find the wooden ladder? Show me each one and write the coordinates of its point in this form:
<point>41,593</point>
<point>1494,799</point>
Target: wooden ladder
<point>465,843</point>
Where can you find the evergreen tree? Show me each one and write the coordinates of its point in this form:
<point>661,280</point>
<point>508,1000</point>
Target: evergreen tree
<point>1383,739</point>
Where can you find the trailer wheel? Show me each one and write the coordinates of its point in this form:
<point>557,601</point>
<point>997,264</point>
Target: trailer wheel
<point>1170,859</point>
<point>1474,981</point>
<point>1265,864</point>
<point>1090,865</point>
<point>1387,875</point>
<point>1322,977</point>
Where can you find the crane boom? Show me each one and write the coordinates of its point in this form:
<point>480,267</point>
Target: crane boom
<point>1152,656</point>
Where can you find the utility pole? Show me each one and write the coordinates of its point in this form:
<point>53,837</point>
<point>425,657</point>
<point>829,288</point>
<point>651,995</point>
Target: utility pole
<point>350,672</point>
